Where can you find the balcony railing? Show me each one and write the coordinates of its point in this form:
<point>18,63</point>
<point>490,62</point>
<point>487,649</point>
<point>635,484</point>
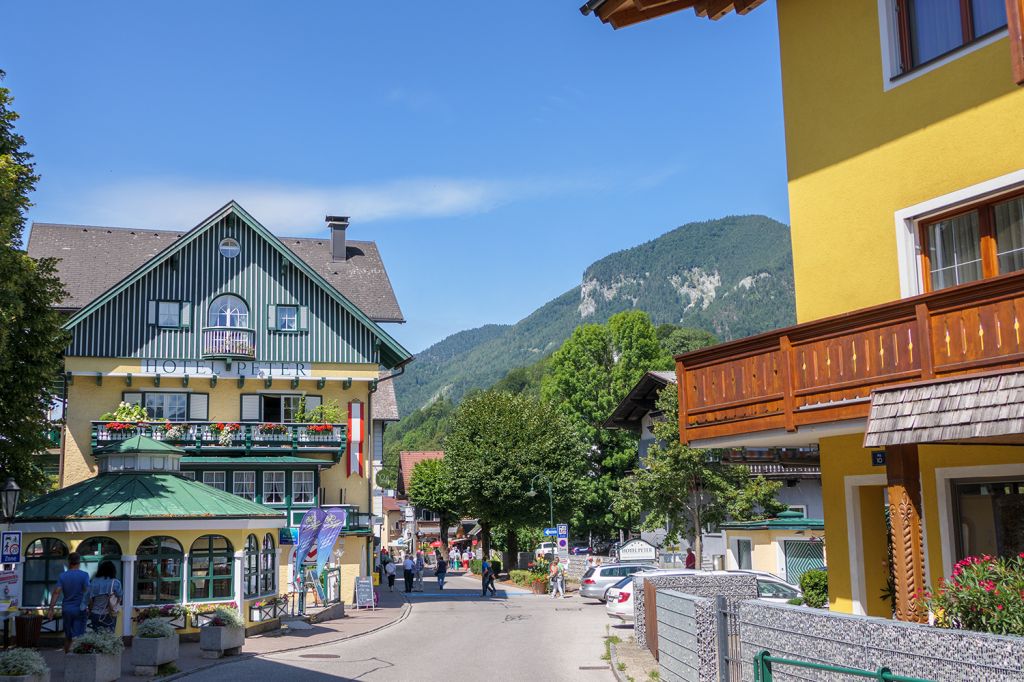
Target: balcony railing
<point>213,436</point>
<point>824,371</point>
<point>229,342</point>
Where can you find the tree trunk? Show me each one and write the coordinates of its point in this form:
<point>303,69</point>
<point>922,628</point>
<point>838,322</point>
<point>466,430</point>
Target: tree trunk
<point>485,540</point>
<point>697,545</point>
<point>443,519</point>
<point>512,545</point>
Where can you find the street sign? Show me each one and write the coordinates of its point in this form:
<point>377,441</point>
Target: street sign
<point>878,458</point>
<point>10,542</point>
<point>563,540</point>
<point>550,532</point>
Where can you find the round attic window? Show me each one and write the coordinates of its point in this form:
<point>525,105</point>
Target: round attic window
<point>229,247</point>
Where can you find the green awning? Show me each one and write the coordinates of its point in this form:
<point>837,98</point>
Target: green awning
<point>284,460</point>
<point>141,495</point>
<point>787,520</point>
<point>138,444</point>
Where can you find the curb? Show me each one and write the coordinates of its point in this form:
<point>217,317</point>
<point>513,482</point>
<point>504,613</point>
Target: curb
<point>406,610</point>
<point>619,675</point>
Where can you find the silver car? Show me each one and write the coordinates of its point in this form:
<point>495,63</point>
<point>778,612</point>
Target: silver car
<point>598,579</point>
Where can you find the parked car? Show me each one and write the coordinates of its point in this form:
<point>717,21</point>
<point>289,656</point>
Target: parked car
<point>595,582</point>
<point>775,589</point>
<point>545,548</point>
<point>580,548</point>
<point>619,603</point>
<point>601,547</point>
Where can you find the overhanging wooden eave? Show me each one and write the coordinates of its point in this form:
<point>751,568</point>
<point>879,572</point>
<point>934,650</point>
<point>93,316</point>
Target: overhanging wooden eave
<point>622,13</point>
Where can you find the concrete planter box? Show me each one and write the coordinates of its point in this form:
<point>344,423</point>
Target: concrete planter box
<point>42,677</point>
<point>221,640</point>
<point>92,667</point>
<point>149,653</point>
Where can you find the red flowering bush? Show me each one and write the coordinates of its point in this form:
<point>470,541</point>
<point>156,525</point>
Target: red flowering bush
<point>121,427</point>
<point>320,428</point>
<point>985,594</point>
<point>273,428</point>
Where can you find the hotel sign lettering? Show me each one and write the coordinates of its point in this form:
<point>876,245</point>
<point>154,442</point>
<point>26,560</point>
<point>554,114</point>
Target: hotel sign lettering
<point>251,369</point>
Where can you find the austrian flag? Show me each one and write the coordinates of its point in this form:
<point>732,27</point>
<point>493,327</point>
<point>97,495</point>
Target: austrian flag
<point>356,417</point>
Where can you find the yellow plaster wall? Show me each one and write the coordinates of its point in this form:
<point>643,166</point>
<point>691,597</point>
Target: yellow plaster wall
<point>857,153</point>
<point>875,547</point>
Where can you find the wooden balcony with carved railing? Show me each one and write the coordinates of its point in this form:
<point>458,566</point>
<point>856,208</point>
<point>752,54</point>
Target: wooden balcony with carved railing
<point>824,371</point>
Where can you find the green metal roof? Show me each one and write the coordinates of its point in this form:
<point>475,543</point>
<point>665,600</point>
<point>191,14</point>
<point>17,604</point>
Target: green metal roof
<point>138,444</point>
<point>264,461</point>
<point>141,496</point>
<point>787,520</point>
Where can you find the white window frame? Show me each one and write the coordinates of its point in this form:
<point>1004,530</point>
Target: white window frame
<point>281,318</point>
<point>176,306</point>
<point>280,485</point>
<point>311,491</point>
<point>802,508</point>
<point>209,479</point>
<point>164,395</point>
<point>890,44</point>
<point>237,482</point>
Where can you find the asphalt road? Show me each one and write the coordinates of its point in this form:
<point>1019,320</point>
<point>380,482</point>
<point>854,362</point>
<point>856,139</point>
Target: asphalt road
<point>454,636</point>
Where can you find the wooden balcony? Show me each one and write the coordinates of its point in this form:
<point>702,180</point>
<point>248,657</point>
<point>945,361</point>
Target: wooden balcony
<point>214,437</point>
<point>823,372</point>
<point>229,342</point>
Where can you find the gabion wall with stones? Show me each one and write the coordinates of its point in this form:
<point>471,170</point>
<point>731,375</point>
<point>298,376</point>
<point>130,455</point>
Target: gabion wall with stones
<point>733,585</point>
<point>818,636</point>
<point>687,638</point>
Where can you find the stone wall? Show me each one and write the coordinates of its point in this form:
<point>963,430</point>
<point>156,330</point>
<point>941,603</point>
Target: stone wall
<point>687,638</point>
<point>734,586</point>
<point>818,636</point>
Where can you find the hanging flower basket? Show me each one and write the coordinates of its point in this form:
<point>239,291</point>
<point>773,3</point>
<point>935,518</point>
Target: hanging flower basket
<point>121,427</point>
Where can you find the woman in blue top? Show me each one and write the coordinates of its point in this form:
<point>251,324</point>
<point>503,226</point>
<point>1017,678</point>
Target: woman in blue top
<point>72,584</point>
<point>97,600</point>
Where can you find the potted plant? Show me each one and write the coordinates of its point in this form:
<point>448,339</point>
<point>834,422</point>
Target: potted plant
<point>225,433</point>
<point>23,665</point>
<point>223,634</point>
<point>175,431</point>
<point>539,584</point>
<point>94,657</point>
<point>277,429</point>
<point>268,609</point>
<point>155,643</point>
<point>174,615</point>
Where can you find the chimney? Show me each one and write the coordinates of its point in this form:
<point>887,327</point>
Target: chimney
<point>338,225</point>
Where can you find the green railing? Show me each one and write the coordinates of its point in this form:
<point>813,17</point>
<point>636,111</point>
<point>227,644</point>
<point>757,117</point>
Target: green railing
<point>763,670</point>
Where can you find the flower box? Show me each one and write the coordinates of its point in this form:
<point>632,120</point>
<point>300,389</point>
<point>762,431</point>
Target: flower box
<point>92,667</point>
<point>268,610</point>
<point>540,586</point>
<point>149,653</point>
<point>221,640</point>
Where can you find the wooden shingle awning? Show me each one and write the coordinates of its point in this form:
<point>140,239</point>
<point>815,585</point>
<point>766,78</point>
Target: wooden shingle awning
<point>985,408</point>
<point>620,13</point>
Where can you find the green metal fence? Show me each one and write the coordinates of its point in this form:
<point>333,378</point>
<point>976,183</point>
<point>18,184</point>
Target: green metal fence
<point>763,670</point>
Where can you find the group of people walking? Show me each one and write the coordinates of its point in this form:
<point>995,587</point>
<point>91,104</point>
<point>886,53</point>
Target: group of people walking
<point>96,600</point>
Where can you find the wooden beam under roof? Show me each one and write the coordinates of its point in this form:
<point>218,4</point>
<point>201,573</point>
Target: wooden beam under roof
<point>632,15</point>
<point>621,13</point>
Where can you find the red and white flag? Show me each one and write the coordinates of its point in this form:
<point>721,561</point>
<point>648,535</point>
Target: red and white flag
<point>356,418</point>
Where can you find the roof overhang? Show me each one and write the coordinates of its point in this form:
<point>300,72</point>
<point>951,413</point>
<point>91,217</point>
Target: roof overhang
<point>621,13</point>
<point>639,401</point>
<point>804,437</point>
<point>148,525</point>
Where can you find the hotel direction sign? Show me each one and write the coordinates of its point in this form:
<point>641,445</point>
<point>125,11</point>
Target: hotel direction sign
<point>250,369</point>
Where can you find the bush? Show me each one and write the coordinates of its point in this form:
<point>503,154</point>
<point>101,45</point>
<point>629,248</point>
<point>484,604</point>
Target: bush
<point>152,629</point>
<point>526,578</point>
<point>226,616</point>
<point>814,585</point>
<point>21,662</point>
<point>795,601</point>
<point>101,642</point>
<point>476,566</point>
<point>985,594</point>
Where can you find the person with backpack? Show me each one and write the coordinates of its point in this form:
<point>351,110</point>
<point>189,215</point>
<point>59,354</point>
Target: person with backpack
<point>103,597</point>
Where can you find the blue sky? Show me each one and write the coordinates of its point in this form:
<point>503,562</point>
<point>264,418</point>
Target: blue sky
<point>493,150</point>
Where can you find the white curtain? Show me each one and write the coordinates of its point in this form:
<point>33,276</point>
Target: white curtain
<point>1010,235</point>
<point>954,249</point>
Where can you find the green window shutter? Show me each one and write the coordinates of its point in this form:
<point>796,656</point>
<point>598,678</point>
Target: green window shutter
<point>303,318</point>
<point>132,398</point>
<point>186,315</point>
<point>271,317</point>
<point>250,407</point>
<point>199,407</point>
<point>151,312</point>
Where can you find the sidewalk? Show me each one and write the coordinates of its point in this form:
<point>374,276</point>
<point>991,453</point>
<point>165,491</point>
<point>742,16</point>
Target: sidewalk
<point>392,608</point>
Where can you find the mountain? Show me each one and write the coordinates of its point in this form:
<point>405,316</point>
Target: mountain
<point>732,276</point>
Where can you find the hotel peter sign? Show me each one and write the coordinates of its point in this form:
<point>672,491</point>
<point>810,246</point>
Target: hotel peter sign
<point>249,369</point>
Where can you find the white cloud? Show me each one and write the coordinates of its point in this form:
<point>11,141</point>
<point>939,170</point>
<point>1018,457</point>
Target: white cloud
<point>180,204</point>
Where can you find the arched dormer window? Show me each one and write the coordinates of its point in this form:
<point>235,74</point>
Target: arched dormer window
<point>228,311</point>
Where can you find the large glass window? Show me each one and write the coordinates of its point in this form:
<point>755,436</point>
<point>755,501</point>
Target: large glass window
<point>302,487</point>
<point>743,554</point>
<point>167,406</point>
<point>228,311</point>
<point>214,479</point>
<point>990,518</point>
<point>244,484</point>
<point>251,578</point>
<point>929,29</point>
<point>99,549</point>
<point>1009,219</point>
<point>954,251</point>
<point>45,560</point>
<point>268,565</point>
<point>211,568</point>
<point>273,487</point>
<point>158,570</point>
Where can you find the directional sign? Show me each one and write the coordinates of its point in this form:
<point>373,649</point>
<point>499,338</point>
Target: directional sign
<point>550,532</point>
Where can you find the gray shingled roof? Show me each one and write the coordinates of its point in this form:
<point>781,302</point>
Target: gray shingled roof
<point>979,408</point>
<point>384,406</point>
<point>88,269</point>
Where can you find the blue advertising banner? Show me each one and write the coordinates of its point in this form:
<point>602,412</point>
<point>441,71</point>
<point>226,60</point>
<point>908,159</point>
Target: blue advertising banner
<point>308,531</point>
<point>329,532</point>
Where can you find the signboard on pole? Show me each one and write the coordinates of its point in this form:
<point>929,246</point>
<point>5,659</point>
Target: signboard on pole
<point>638,550</point>
<point>563,540</point>
<point>550,532</point>
<point>364,593</point>
<point>10,542</point>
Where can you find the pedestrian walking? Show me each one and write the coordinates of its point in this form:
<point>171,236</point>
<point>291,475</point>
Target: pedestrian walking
<point>556,576</point>
<point>487,579</point>
<point>104,597</point>
<point>441,572</point>
<point>691,558</point>
<point>72,585</point>
<point>419,571</point>
<point>408,572</point>
<point>389,569</point>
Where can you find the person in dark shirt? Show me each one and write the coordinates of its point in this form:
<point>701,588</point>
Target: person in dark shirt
<point>72,585</point>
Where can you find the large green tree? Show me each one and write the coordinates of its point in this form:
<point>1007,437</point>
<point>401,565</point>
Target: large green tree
<point>31,337</point>
<point>588,377</point>
<point>685,490</point>
<point>503,447</point>
<point>433,487</point>
<point>679,340</point>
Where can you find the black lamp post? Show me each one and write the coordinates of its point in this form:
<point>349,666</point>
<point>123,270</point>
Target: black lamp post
<point>551,497</point>
<point>9,499</point>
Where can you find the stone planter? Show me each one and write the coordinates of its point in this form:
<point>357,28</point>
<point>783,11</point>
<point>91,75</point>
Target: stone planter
<point>149,653</point>
<point>92,667</point>
<point>221,640</point>
<point>540,587</point>
<point>42,677</point>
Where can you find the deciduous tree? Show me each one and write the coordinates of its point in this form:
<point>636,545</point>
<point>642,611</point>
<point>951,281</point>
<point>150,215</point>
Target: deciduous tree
<point>433,487</point>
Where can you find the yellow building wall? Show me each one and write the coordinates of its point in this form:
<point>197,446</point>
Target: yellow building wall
<point>766,546</point>
<point>857,153</point>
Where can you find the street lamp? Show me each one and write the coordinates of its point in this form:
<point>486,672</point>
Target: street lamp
<point>9,499</point>
<point>551,497</point>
